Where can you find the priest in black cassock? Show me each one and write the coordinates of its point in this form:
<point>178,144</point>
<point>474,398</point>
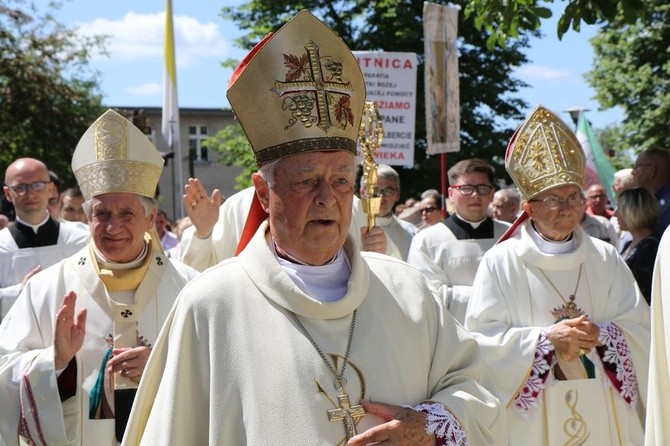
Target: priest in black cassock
<point>35,241</point>
<point>449,252</point>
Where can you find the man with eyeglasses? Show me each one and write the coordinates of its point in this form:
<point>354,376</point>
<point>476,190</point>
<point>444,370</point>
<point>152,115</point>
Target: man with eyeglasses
<point>399,232</point>
<point>35,240</point>
<point>448,253</point>
<point>561,322</point>
<point>652,171</point>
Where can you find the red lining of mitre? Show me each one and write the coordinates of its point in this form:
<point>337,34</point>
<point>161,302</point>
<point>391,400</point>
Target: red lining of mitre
<point>243,64</point>
<point>256,216</point>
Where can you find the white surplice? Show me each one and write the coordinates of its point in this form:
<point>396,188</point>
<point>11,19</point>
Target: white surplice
<point>16,263</point>
<point>399,234</point>
<point>231,367</point>
<point>27,376</point>
<point>450,263</point>
<point>512,302</point>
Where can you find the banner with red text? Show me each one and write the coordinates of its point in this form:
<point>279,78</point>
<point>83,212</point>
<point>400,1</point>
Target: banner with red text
<point>390,81</point>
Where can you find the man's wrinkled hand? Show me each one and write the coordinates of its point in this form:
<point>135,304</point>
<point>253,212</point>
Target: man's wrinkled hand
<point>373,239</point>
<point>403,427</point>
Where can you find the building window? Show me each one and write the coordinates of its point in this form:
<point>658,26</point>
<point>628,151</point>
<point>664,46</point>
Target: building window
<point>195,136</point>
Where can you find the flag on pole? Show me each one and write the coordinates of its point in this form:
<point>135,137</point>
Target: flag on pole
<point>598,167</point>
<point>170,117</point>
<point>440,31</point>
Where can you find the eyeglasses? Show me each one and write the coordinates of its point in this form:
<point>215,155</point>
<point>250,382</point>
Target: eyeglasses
<point>385,192</point>
<point>469,189</point>
<point>555,203</point>
<point>22,188</point>
<point>428,210</point>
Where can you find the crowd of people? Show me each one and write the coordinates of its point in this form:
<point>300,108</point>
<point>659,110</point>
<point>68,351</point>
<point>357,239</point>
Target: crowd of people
<point>526,314</point>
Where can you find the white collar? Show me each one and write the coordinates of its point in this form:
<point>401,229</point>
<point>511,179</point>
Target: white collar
<point>474,224</point>
<point>108,264</point>
<point>34,227</point>
<point>550,246</point>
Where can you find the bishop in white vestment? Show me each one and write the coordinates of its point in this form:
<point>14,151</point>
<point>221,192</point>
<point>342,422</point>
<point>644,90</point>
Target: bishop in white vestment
<point>74,346</point>
<point>558,315</point>
<point>301,338</point>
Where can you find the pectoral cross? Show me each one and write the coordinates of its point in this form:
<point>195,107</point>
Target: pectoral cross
<point>346,413</point>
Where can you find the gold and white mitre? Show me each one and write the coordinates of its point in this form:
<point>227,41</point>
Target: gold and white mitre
<point>544,153</point>
<point>299,90</point>
<point>115,156</point>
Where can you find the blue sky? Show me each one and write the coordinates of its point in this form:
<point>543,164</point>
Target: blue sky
<point>132,75</point>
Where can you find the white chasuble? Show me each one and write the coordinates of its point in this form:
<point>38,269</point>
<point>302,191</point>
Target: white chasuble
<point>231,367</point>
<point>512,303</point>
<point>31,403</point>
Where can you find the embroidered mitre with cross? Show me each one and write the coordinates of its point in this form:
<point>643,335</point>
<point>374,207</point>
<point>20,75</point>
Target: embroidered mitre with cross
<point>299,90</point>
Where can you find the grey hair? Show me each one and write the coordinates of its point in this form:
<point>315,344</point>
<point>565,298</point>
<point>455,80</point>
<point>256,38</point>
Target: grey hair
<point>510,194</point>
<point>387,172</point>
<point>267,172</point>
<point>149,205</point>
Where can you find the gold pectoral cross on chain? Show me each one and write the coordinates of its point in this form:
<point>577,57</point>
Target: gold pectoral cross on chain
<point>346,412</point>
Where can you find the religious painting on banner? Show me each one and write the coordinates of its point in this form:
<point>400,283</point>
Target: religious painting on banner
<point>440,27</point>
<point>390,81</point>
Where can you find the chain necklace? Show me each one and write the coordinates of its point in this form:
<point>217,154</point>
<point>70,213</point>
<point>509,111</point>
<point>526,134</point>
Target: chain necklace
<point>345,412</point>
<point>569,309</point>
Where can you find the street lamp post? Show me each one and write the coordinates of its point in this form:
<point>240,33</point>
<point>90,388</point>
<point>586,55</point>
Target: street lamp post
<point>575,112</point>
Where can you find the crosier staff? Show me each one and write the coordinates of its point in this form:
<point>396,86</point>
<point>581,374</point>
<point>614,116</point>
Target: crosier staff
<point>370,136</point>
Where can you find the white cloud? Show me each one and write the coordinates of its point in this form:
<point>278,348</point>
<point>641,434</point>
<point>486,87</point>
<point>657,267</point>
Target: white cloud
<point>140,36</point>
<point>150,89</point>
<point>537,72</point>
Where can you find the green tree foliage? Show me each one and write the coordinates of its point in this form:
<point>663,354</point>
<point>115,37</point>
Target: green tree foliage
<point>505,19</point>
<point>48,96</point>
<point>486,87</point>
<point>631,70</point>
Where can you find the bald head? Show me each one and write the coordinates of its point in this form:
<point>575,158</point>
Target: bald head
<point>26,186</point>
<point>23,165</point>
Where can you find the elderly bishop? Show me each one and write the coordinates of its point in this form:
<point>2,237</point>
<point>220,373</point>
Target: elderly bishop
<point>74,346</point>
<point>302,338</point>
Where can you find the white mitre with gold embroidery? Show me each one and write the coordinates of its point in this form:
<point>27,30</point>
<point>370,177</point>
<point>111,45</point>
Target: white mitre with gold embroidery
<point>115,156</point>
<point>544,153</point>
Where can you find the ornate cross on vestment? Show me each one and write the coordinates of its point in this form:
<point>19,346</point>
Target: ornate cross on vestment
<point>317,84</point>
<point>346,413</point>
<point>568,310</point>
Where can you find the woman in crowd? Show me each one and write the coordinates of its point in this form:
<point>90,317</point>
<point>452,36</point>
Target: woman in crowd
<point>638,212</point>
